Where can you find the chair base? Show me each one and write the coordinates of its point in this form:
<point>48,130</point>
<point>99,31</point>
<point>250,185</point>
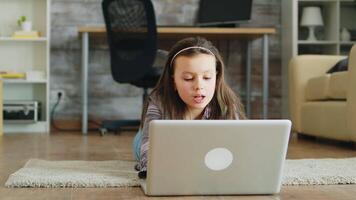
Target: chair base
<point>116,125</point>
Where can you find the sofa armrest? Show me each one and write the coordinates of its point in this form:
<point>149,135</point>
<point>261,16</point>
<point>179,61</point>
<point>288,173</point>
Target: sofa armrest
<point>301,69</point>
<point>351,94</point>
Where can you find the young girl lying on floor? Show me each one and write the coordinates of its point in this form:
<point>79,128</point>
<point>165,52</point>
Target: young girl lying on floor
<point>191,87</point>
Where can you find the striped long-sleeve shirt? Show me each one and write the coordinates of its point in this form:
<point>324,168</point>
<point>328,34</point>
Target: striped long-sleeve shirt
<point>154,112</point>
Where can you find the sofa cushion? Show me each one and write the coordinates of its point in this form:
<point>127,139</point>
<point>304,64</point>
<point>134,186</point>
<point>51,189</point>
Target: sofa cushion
<point>326,87</point>
<point>338,85</point>
<point>317,88</point>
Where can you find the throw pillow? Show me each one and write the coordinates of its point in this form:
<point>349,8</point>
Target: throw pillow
<point>339,66</point>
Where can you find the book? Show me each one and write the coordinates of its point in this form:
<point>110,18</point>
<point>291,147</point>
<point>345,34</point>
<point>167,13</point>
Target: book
<point>12,75</point>
<point>26,34</point>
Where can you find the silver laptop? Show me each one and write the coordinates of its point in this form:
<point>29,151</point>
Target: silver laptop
<point>216,157</point>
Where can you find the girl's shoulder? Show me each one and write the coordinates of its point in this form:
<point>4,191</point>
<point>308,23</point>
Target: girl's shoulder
<point>154,104</point>
<point>152,100</point>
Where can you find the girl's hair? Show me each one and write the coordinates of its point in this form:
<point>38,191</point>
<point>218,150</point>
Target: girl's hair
<point>225,104</point>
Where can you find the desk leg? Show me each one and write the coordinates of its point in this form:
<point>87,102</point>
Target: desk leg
<point>265,75</point>
<point>85,61</point>
<point>248,79</point>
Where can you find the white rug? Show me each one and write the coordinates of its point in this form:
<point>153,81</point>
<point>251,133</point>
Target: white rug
<point>41,173</point>
<point>50,174</point>
<point>320,171</point>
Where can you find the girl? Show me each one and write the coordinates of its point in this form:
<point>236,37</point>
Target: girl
<point>192,86</point>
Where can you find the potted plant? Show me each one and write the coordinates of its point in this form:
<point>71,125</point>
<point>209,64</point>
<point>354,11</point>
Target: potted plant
<point>24,24</point>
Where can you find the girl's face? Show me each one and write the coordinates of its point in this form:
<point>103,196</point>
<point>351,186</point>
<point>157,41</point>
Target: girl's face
<point>194,79</point>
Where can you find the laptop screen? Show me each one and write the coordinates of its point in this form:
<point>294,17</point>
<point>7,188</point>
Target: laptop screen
<point>215,12</point>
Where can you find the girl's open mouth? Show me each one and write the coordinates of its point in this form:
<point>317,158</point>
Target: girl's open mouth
<point>199,98</point>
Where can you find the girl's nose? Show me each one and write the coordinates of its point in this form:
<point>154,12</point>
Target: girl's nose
<point>198,85</point>
<point>199,88</point>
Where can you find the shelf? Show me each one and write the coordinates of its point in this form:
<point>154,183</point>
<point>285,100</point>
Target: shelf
<point>26,55</point>
<point>316,3</point>
<point>24,81</point>
<point>38,127</point>
<point>319,42</point>
<point>347,2</point>
<point>321,1</point>
<point>323,49</point>
<point>10,39</point>
<point>348,43</point>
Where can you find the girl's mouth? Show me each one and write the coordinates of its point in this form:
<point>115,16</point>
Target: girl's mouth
<point>199,98</point>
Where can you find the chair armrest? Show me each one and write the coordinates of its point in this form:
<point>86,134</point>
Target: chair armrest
<point>351,94</point>
<point>301,69</point>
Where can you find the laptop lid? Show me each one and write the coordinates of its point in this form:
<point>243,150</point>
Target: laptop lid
<point>207,157</point>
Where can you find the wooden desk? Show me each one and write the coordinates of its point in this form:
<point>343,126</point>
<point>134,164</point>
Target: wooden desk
<point>248,34</point>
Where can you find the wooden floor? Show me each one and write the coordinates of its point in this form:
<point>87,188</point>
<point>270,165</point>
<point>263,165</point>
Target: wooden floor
<point>16,149</point>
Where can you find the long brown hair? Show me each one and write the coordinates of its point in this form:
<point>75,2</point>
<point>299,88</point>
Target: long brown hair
<point>225,104</point>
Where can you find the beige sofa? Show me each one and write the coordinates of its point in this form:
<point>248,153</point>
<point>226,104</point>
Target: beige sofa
<point>323,105</point>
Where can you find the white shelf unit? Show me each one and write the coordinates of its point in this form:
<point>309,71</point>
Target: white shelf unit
<point>336,15</point>
<point>24,55</point>
<point>10,39</point>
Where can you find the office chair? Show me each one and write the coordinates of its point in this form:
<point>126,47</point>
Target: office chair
<point>132,38</point>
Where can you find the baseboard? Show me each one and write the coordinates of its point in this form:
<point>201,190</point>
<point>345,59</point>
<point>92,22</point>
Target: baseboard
<point>75,125</point>
<point>70,124</point>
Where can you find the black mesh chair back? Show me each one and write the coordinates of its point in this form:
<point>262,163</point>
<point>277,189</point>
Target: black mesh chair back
<point>132,38</point>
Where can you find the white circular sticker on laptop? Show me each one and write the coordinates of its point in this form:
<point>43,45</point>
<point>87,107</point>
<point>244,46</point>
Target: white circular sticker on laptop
<point>218,159</point>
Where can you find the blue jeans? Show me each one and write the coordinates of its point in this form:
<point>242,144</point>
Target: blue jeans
<point>136,145</point>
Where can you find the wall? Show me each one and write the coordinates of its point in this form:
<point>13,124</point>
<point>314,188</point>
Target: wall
<point>110,100</point>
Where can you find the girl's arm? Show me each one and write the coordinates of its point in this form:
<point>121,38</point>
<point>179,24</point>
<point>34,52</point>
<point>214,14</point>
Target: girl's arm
<point>153,112</point>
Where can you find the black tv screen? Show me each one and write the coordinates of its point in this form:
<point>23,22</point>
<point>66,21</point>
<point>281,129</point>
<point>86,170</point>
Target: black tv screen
<point>215,12</point>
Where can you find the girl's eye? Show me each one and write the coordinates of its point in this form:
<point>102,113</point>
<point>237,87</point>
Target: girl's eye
<point>188,78</point>
<point>207,78</point>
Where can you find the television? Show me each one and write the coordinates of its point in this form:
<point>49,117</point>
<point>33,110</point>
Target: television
<point>223,12</point>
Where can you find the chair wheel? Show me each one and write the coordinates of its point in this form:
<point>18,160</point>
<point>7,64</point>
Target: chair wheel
<point>103,131</point>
